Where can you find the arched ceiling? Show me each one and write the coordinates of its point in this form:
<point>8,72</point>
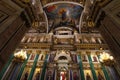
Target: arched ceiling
<point>63,14</point>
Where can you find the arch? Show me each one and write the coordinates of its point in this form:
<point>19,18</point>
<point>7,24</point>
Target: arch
<point>62,58</point>
<point>46,20</point>
<point>59,28</point>
<point>62,54</point>
<point>41,57</point>
<point>57,2</point>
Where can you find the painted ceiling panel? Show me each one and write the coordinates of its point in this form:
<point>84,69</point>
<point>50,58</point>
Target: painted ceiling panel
<point>60,15</point>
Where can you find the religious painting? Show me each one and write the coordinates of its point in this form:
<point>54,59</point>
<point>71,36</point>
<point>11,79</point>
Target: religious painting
<point>51,58</point>
<point>84,58</point>
<point>63,14</point>
<point>94,58</point>
<point>88,75</point>
<point>49,74</point>
<point>26,73</point>
<point>41,57</point>
<point>32,57</point>
<point>37,74</point>
<point>75,75</point>
<point>74,58</point>
<point>63,75</point>
<point>100,74</point>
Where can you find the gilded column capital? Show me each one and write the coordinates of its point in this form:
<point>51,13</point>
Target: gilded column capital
<point>29,51</point>
<point>38,51</point>
<point>88,52</point>
<point>79,52</point>
<point>97,53</point>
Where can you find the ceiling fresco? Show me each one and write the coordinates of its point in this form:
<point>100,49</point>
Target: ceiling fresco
<point>67,15</point>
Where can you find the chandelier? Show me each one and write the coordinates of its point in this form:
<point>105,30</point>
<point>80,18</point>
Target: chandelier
<point>20,56</point>
<point>106,59</point>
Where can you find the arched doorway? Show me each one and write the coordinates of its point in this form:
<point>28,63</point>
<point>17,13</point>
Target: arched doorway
<point>63,61</point>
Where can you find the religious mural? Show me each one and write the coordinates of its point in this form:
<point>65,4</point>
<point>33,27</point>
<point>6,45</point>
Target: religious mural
<point>63,15</point>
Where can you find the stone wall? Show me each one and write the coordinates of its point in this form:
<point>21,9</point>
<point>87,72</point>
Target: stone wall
<point>14,22</point>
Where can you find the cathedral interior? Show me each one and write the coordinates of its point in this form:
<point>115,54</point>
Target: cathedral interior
<point>59,39</point>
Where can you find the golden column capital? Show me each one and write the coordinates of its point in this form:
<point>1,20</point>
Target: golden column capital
<point>38,51</point>
<point>97,53</point>
<point>79,52</point>
<point>29,51</point>
<point>88,52</point>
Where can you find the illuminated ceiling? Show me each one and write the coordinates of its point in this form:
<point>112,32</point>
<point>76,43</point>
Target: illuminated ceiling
<point>63,15</point>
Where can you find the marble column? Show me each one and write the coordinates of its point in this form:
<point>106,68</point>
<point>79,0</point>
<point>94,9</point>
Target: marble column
<point>81,67</point>
<point>44,68</point>
<point>91,65</point>
<point>33,67</point>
